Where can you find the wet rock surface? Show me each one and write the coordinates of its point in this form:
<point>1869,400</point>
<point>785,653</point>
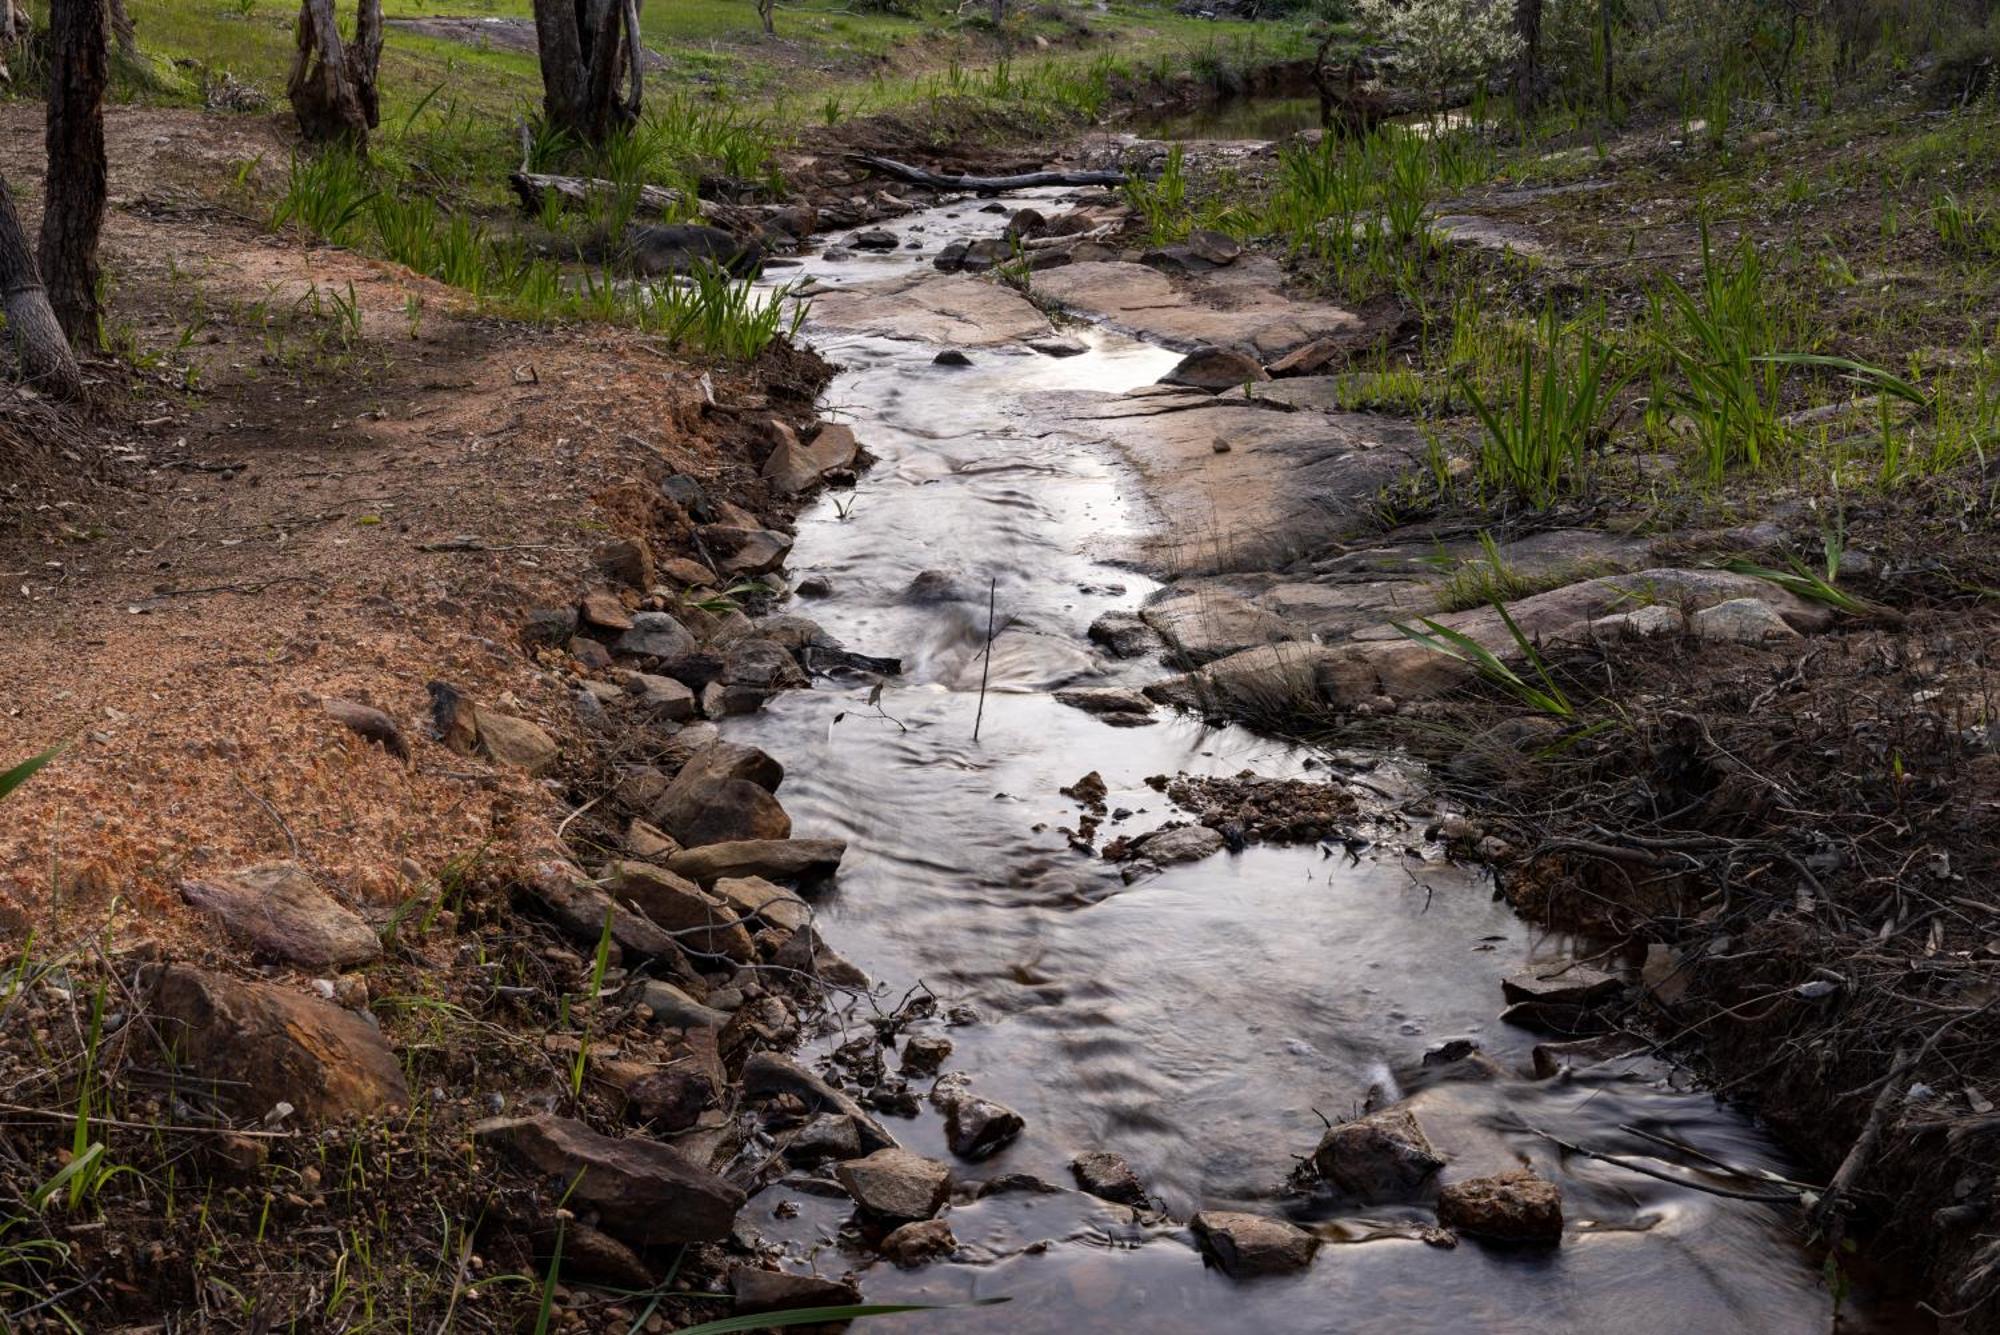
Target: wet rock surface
<point>896,1185</point>
<point>1249,1246</point>
<point>1512,1207</point>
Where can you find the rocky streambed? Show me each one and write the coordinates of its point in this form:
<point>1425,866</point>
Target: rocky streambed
<point>1171,1023</point>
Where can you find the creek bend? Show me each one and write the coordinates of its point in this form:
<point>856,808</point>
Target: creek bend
<point>1200,1021</point>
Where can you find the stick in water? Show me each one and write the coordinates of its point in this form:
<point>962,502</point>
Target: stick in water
<point>992,595</point>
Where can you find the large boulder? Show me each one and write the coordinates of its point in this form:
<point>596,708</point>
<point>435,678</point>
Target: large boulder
<point>262,1045</point>
<point>280,911</point>
<point>653,250</point>
<point>642,1191</point>
<point>1382,1157</point>
<point>896,1185</point>
<point>1244,1246</point>
<point>1509,1207</point>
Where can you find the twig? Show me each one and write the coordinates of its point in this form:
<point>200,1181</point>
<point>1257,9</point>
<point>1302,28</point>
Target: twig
<point>986,667</point>
<point>1619,1161</point>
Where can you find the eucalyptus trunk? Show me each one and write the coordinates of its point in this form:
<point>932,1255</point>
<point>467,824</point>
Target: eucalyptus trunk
<point>592,66</point>
<point>73,202</point>
<point>41,350</point>
<point>332,84</point>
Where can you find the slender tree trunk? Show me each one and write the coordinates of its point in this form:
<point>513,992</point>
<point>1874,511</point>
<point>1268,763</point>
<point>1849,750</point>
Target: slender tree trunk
<point>123,31</point>
<point>999,12</point>
<point>15,25</point>
<point>332,84</point>
<point>764,14</point>
<point>73,203</point>
<point>1528,68</point>
<point>42,352</point>
<point>1604,28</point>
<point>587,48</point>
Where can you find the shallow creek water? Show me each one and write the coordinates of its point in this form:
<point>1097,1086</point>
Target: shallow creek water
<point>1201,1021</point>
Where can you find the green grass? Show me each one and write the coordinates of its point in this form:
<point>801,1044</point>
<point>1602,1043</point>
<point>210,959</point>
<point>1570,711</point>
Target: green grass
<point>1538,440</point>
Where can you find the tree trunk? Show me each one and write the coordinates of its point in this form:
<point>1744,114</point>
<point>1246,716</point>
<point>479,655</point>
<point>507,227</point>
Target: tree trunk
<point>1604,27</point>
<point>764,12</point>
<point>332,84</point>
<point>15,25</point>
<point>43,354</point>
<point>999,12</point>
<point>123,31</point>
<point>587,47</point>
<point>73,203</point>
<point>1528,68</point>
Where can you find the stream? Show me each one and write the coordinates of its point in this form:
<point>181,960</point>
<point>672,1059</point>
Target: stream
<point>1201,1021</point>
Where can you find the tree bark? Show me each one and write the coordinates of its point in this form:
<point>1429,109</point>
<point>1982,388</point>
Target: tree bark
<point>15,25</point>
<point>73,203</point>
<point>332,84</point>
<point>764,14</point>
<point>903,171</point>
<point>42,352</point>
<point>587,48</point>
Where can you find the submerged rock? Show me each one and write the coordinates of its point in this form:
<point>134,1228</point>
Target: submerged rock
<point>914,1244</point>
<point>1245,1246</point>
<point>1189,843</point>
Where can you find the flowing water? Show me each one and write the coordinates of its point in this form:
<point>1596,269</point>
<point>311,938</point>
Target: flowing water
<point>1200,1022</point>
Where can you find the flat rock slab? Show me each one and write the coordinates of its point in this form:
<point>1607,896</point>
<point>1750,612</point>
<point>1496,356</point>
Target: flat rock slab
<point>957,310</point>
<point>772,859</point>
<point>1286,484</point>
<point>263,1045</point>
<point>644,1192</point>
<point>280,911</point>
<point>1239,307</point>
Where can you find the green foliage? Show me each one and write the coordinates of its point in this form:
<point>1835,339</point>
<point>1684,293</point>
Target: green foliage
<point>21,773</point>
<point>1542,694</point>
<point>1965,228</point>
<point>1537,442</point>
<point>1162,203</point>
<point>1722,339</point>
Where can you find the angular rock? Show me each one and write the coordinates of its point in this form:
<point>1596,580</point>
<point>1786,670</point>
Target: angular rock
<point>745,551</point>
<point>517,742</point>
<point>671,1098</point>
<point>762,664</point>
<point>1214,369</point>
<point>700,922</point>
<point>1311,358</point>
<point>263,1045</point>
<point>760,1291</point>
<point>627,560</point>
<point>454,718</point>
<point>656,635</point>
<point>923,1054</point>
<point>1382,1157</point>
<point>280,910</point>
<point>1740,621</point>
<point>605,610</point>
<point>547,627</point>
<point>686,571</point>
<point>875,239</point>
<point>753,896</point>
<point>771,859</point>
<point>827,1136</point>
<point>1244,1246</point>
<point>914,1244</point>
<point>978,1128</point>
<point>1510,1207</point>
<point>1109,702</point>
<point>662,697</point>
<point>1551,1058</point>
<point>371,723</point>
<point>1108,1177</point>
<point>894,1184</point>
<point>1571,985</point>
<point>643,1192</point>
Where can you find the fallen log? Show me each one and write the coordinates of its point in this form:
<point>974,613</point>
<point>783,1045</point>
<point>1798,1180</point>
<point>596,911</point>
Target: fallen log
<point>903,171</point>
<point>582,191</point>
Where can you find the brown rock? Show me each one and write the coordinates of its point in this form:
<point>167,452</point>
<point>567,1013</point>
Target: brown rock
<point>731,811</point>
<point>686,571</point>
<point>517,742</point>
<point>1214,369</point>
<point>627,560</point>
<point>766,1074</point>
<point>1382,1157</point>
<point>746,551</point>
<point>644,841</point>
<point>371,723</point>
<point>753,896</point>
<point>280,911</point>
<point>1244,1246</point>
<point>923,1054</point>
<point>772,859</point>
<point>894,1184</point>
<point>657,635</point>
<point>662,697</point>
<point>914,1244</point>
<point>589,654</point>
<point>643,1192</point>
<point>604,609</point>
<point>1511,1207</point>
<point>1310,358</point>
<point>700,922</point>
<point>264,1045</point>
<point>1573,985</point>
<point>720,761</point>
<point>977,1128</point>
<point>672,1098</point>
<point>580,908</point>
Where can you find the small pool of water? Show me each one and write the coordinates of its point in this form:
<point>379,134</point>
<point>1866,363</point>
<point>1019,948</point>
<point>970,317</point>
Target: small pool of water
<point>1230,119</point>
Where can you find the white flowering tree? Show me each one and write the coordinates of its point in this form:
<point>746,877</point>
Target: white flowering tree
<point>1439,43</point>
